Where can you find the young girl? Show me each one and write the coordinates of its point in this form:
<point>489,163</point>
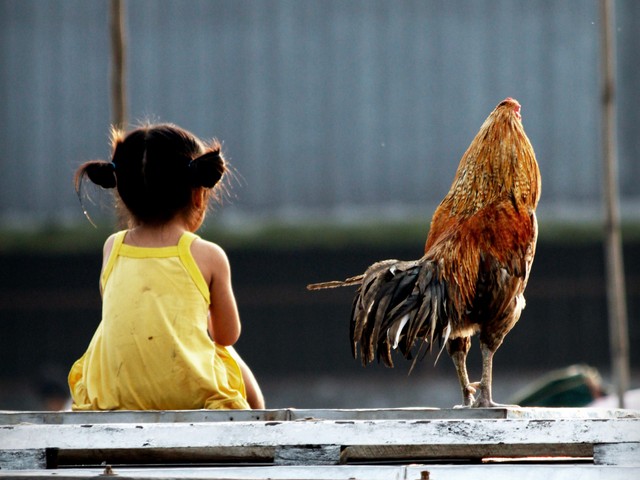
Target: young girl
<point>169,316</point>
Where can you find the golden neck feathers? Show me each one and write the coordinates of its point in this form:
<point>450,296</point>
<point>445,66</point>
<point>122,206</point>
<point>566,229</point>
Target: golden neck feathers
<point>499,165</point>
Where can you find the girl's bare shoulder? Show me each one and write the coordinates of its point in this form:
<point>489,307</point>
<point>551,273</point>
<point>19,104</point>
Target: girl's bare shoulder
<point>108,245</point>
<point>211,258</point>
<point>208,248</point>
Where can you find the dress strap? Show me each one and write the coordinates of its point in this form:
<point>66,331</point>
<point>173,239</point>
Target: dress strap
<point>184,250</point>
<point>117,243</point>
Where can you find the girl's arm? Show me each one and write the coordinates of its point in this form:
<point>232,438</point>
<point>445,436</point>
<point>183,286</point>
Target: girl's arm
<point>224,321</point>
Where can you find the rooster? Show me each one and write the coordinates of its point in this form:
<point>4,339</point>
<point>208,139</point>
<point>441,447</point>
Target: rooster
<point>474,271</point>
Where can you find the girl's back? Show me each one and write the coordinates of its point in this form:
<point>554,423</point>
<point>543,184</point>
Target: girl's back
<point>155,347</point>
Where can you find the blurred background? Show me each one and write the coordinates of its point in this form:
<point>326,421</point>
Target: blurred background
<point>344,122</point>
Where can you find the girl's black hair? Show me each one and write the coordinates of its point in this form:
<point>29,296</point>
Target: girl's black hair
<point>155,170</point>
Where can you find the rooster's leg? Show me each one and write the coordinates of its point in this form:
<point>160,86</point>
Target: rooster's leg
<point>458,349</point>
<point>484,388</point>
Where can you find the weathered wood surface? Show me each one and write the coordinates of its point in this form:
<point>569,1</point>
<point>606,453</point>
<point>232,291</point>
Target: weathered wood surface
<point>351,472</point>
<point>194,416</point>
<point>358,439</point>
<point>618,454</point>
<point>23,459</point>
<point>321,432</point>
<point>318,437</point>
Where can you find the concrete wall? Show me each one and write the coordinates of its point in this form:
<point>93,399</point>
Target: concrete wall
<point>335,109</point>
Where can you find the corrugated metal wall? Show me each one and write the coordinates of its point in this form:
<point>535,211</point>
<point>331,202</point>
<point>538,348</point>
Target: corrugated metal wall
<point>326,108</point>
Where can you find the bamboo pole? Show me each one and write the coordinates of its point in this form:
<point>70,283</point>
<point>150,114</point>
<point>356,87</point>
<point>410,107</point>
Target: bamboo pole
<point>617,308</point>
<point>118,64</point>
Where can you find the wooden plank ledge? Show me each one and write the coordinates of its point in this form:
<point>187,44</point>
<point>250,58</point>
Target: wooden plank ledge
<point>317,437</point>
<point>8,417</point>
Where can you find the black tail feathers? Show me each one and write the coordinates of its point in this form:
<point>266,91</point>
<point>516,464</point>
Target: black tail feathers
<point>397,304</point>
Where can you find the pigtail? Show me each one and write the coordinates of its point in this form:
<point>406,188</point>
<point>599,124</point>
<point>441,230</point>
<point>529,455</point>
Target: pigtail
<point>99,172</point>
<point>207,169</point>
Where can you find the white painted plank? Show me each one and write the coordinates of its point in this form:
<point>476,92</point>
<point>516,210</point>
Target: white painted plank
<point>382,472</point>
<point>543,413</point>
<point>195,416</point>
<point>137,416</point>
<point>22,459</point>
<point>320,432</point>
<point>617,454</point>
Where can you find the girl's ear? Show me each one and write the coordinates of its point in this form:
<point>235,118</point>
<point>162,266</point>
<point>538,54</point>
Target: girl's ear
<point>199,203</point>
<point>198,198</point>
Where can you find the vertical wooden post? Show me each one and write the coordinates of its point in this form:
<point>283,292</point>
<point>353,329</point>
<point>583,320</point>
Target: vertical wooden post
<point>118,64</point>
<point>617,308</point>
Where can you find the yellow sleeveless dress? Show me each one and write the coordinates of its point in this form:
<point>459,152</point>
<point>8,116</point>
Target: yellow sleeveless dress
<point>151,350</point>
